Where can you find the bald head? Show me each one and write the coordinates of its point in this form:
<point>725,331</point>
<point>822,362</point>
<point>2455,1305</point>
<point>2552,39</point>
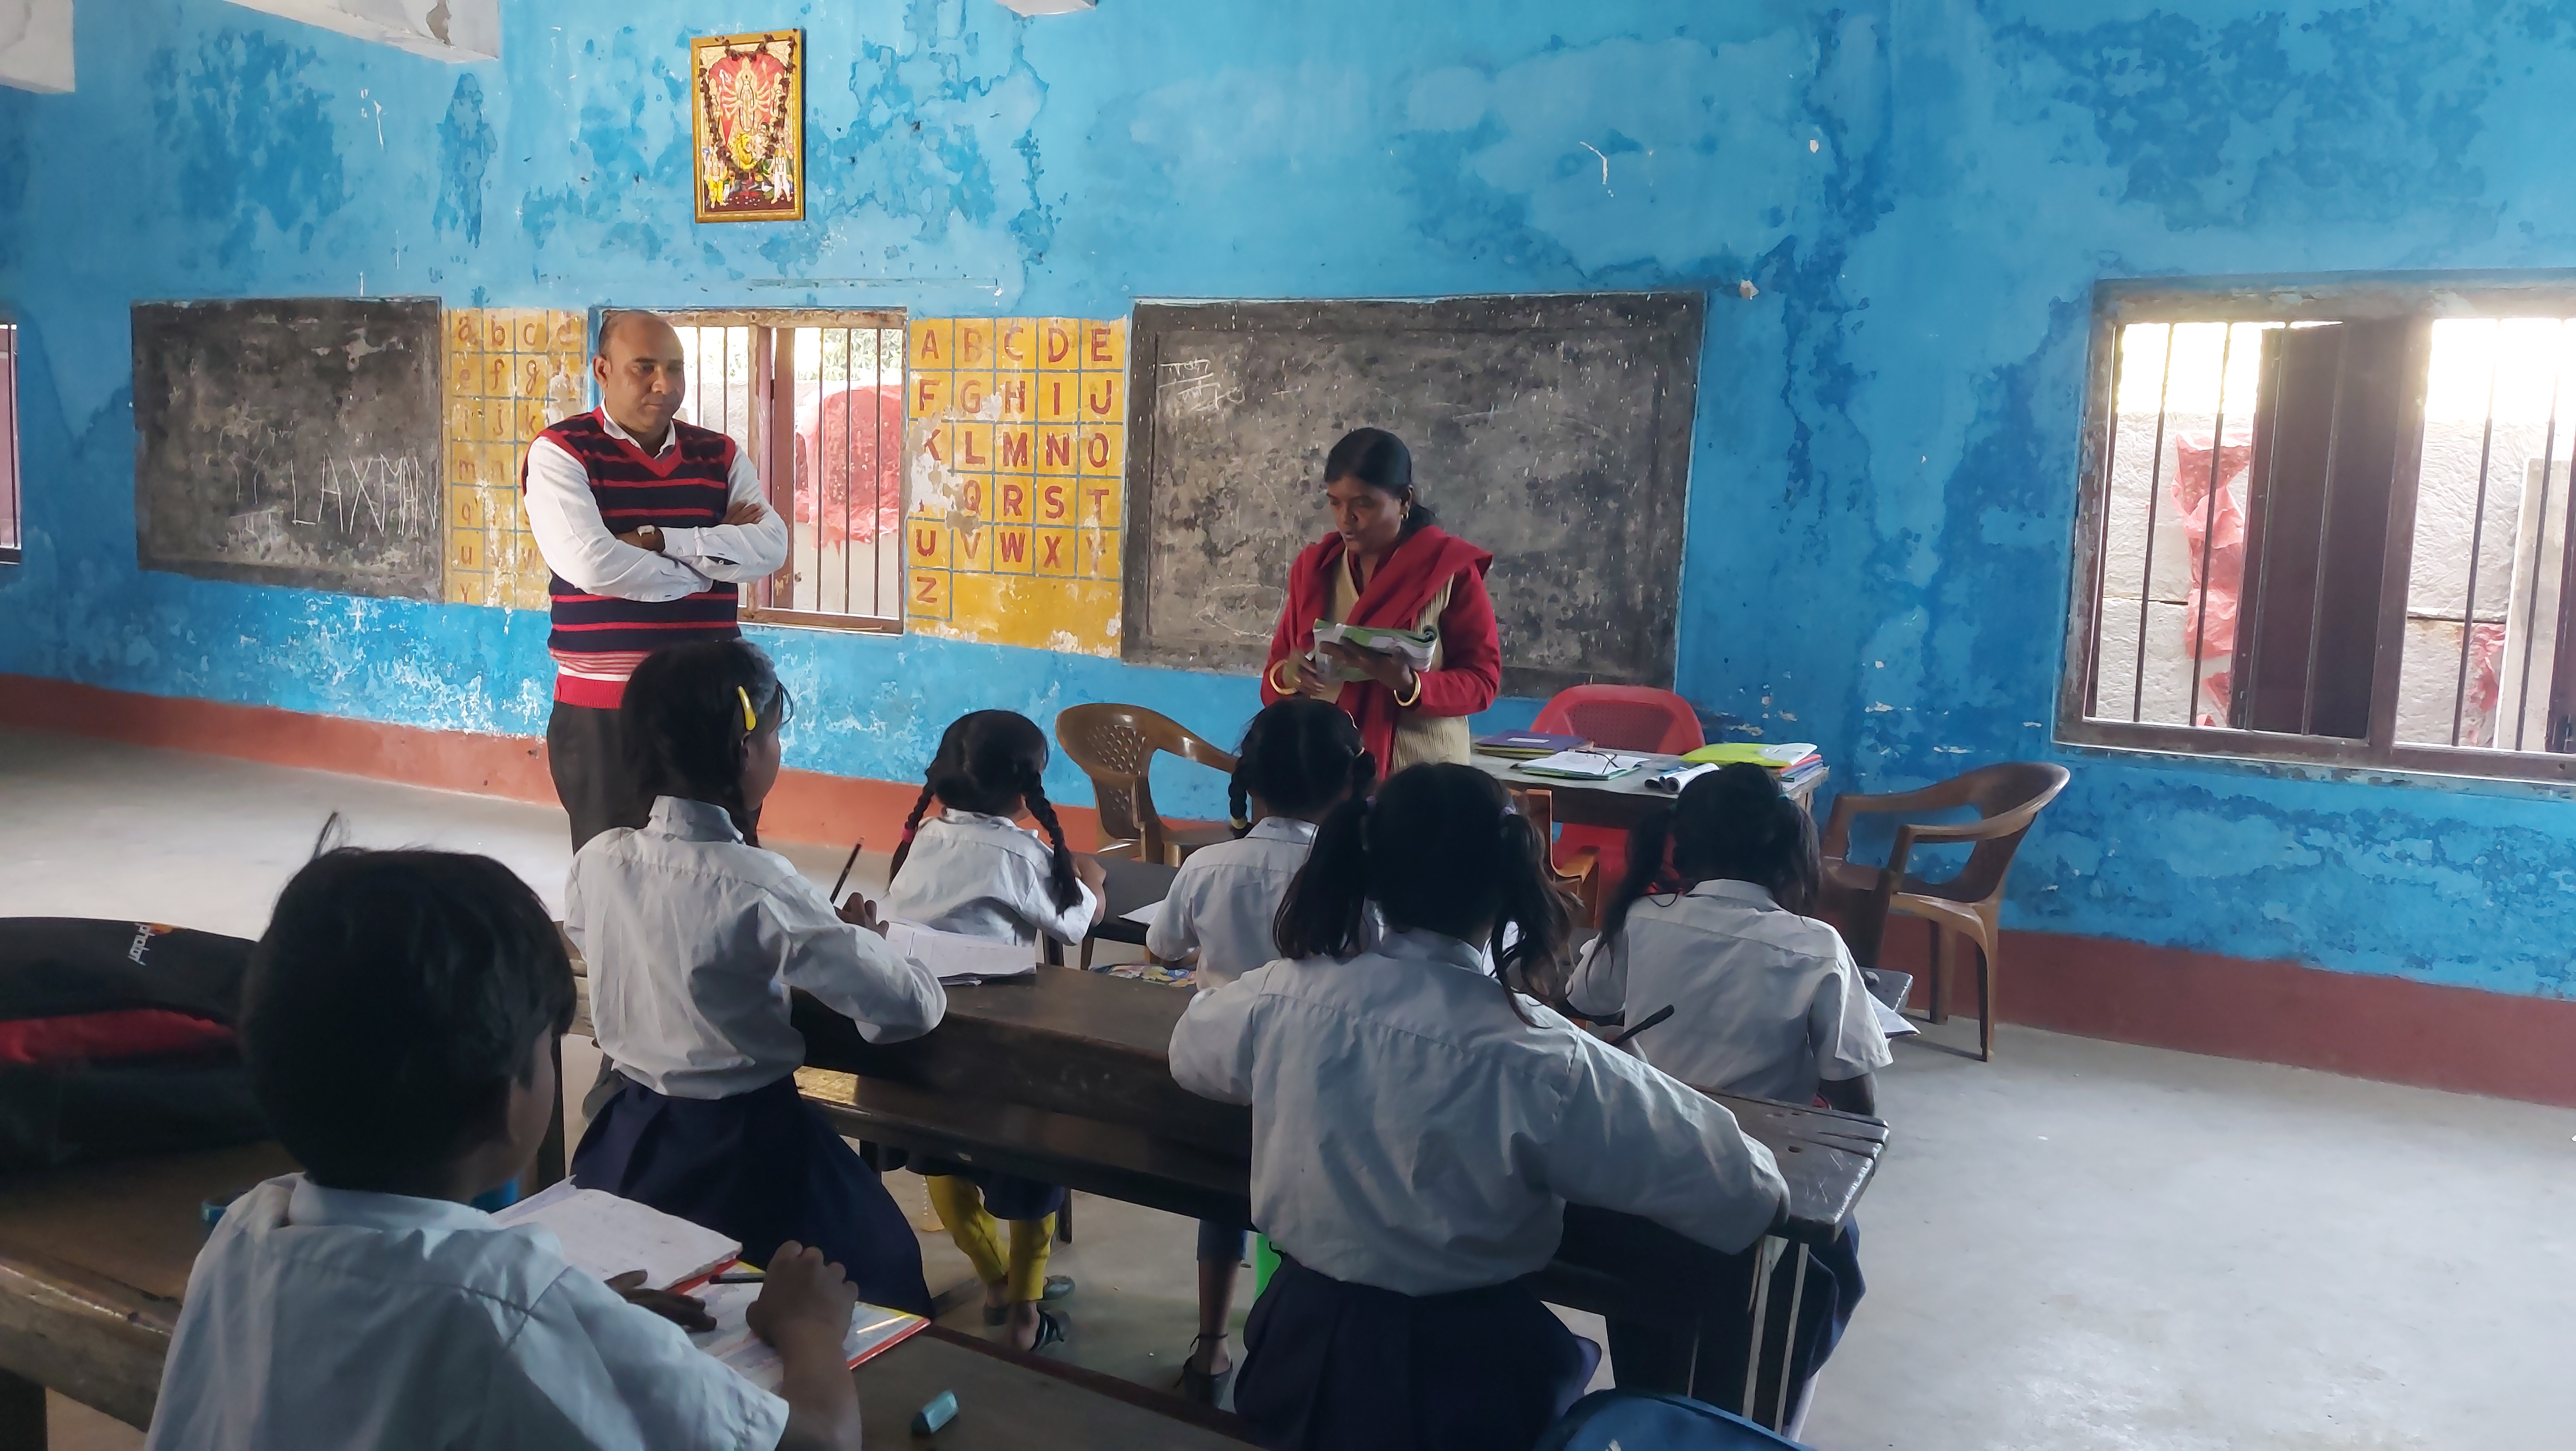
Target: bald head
<point>642,374</point>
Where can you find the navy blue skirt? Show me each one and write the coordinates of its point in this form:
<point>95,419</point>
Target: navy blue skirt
<point>1333,1366</point>
<point>761,1167</point>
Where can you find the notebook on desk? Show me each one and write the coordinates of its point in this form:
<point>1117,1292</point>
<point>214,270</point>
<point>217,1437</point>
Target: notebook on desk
<point>609,1236</point>
<point>606,1236</point>
<point>874,1330</point>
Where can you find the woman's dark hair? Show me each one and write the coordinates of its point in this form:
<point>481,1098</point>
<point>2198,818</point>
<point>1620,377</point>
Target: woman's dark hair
<point>992,761</point>
<point>1299,755</point>
<point>684,724</point>
<point>1731,823</point>
<point>394,999</point>
<point>1441,849</point>
<point>1380,460</point>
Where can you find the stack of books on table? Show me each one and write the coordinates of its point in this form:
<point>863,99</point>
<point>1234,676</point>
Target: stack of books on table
<point>1527,745</point>
<point>1794,763</point>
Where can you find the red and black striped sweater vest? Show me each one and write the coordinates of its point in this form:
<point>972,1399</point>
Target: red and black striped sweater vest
<point>598,640</point>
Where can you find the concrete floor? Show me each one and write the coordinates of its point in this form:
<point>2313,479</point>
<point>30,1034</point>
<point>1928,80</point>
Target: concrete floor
<point>2081,1247</point>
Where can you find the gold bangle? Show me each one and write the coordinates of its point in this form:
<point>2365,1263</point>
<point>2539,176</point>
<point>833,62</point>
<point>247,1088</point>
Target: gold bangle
<point>1274,678</point>
<point>1417,692</point>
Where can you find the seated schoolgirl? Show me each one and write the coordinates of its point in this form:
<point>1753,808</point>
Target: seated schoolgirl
<point>972,868</point>
<point>1300,758</point>
<point>1766,1002</point>
<point>1418,1128</point>
<point>693,935</point>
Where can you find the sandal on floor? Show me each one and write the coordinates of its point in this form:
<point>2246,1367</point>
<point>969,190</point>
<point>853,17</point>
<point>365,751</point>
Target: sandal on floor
<point>1051,1329</point>
<point>1204,1387</point>
<point>1057,1287</point>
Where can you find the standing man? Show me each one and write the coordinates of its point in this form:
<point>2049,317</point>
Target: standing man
<point>649,525</point>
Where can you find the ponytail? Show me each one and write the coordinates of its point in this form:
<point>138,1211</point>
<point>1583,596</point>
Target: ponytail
<point>1535,964</point>
<point>1649,865</point>
<point>911,827</point>
<point>1325,913</point>
<point>1061,882</point>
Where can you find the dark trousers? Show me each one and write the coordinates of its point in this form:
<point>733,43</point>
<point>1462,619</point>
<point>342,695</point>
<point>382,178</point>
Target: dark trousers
<point>586,754</point>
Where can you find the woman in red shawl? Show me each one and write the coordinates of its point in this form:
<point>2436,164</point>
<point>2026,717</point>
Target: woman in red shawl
<point>1386,563</point>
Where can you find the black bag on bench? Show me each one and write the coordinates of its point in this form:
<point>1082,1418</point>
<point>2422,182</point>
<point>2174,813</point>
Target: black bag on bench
<point>116,1038</point>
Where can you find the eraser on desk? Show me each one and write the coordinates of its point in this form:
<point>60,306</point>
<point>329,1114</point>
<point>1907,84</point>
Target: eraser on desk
<point>931,1418</point>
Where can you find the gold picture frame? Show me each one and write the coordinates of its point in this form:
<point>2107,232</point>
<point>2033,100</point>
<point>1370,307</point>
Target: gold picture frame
<point>747,120</point>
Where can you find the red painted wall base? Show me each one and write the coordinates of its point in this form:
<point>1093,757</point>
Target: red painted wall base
<point>2276,1012</point>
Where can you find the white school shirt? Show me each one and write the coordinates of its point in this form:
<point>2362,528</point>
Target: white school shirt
<point>1225,898</point>
<point>984,876</point>
<point>694,938</point>
<point>1765,1002</point>
<point>1409,1132</point>
<point>563,517</point>
<point>332,1320</point>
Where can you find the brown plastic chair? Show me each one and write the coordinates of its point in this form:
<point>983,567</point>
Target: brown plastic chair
<point>1115,745</point>
<point>2006,797</point>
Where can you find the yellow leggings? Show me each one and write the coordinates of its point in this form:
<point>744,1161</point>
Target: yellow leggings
<point>961,1209</point>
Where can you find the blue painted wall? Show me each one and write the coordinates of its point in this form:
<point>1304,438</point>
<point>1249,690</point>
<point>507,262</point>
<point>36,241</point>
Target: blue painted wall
<point>1883,489</point>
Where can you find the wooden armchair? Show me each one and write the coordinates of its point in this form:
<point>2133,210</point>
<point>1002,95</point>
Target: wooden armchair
<point>1115,745</point>
<point>2006,797</point>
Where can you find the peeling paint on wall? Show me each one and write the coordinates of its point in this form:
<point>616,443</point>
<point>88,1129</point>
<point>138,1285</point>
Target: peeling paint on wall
<point>1883,478</point>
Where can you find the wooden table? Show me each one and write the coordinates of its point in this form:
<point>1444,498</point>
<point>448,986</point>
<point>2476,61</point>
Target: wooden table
<point>1620,802</point>
<point>1128,884</point>
<point>1066,1078</point>
<point>94,1259</point>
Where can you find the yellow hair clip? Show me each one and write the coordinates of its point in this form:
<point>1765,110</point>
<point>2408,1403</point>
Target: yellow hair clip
<point>750,722</point>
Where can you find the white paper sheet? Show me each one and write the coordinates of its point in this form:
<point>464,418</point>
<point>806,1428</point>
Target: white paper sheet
<point>871,1328</point>
<point>608,1236</point>
<point>1145,916</point>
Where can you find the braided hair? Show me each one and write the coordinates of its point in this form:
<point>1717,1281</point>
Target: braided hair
<point>689,713</point>
<point>1732,823</point>
<point>1440,849</point>
<point>1299,756</point>
<point>991,762</point>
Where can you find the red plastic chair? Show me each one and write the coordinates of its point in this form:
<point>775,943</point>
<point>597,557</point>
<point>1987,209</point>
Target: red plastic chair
<point>1623,718</point>
<point>1618,718</point>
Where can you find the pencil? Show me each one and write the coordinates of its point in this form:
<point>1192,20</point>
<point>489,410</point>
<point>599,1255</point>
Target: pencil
<point>1657,1016</point>
<point>835,897</point>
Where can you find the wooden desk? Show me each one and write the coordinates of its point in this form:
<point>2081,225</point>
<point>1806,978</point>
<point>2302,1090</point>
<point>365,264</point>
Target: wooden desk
<point>1620,802</point>
<point>94,1259</point>
<point>1066,1078</point>
<point>1128,885</point>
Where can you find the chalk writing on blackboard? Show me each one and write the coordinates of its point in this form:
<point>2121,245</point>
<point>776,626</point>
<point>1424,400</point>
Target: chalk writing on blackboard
<point>291,442</point>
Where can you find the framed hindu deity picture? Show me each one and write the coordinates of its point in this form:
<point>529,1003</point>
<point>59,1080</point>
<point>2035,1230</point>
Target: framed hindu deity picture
<point>748,119</point>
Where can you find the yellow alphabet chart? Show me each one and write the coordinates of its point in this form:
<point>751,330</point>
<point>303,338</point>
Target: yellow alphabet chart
<point>510,373</point>
<point>1017,457</point>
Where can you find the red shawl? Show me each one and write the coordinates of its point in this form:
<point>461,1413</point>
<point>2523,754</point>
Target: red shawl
<point>1407,579</point>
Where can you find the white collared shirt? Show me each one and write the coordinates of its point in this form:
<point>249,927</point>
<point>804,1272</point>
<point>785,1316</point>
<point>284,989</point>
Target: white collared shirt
<point>694,938</point>
<point>323,1319</point>
<point>984,876</point>
<point>563,516</point>
<point>1225,897</point>
<point>1765,1002</point>
<point>1409,1132</point>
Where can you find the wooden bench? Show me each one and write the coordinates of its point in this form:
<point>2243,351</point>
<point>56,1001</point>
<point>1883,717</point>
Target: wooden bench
<point>94,1260</point>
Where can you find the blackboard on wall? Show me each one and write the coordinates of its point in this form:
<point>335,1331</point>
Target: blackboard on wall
<point>290,442</point>
<point>1553,431</point>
